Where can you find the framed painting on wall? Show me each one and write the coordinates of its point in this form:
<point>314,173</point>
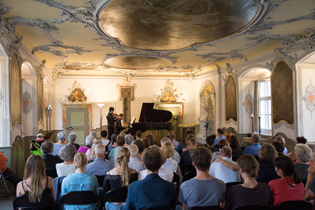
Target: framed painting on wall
<point>282,93</point>
<point>16,91</point>
<point>230,99</point>
<point>40,102</point>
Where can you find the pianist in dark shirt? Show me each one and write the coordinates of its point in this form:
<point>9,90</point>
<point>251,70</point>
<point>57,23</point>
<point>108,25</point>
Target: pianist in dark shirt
<point>117,126</point>
<point>110,121</point>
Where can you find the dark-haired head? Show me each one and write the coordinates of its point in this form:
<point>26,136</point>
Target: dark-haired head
<point>234,143</point>
<point>285,165</point>
<point>210,140</point>
<point>301,140</point>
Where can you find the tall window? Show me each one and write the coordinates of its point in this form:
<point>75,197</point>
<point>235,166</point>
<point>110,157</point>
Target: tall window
<point>265,106</point>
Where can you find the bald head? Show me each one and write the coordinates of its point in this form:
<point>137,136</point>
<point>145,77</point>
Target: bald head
<point>133,150</point>
<point>100,151</point>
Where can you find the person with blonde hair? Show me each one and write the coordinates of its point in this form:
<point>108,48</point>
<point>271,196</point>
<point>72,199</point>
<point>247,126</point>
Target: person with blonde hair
<point>250,192</point>
<point>168,150</point>
<point>120,176</point>
<point>35,181</point>
<point>90,153</point>
<point>79,181</point>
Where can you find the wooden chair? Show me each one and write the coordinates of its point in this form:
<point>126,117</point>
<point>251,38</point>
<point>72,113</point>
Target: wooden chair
<point>80,198</point>
<point>294,205</point>
<point>22,202</point>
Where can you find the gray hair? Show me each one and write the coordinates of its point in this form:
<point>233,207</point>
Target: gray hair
<point>89,140</point>
<point>133,150</point>
<point>165,139</point>
<point>99,149</point>
<point>72,137</point>
<point>93,133</point>
<point>255,137</point>
<point>303,152</point>
<point>312,146</point>
<point>61,136</point>
<point>129,138</point>
<point>47,147</point>
<point>67,152</point>
<point>40,135</point>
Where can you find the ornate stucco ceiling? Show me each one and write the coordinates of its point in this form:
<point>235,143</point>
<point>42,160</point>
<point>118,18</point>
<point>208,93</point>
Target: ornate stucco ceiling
<point>153,37</point>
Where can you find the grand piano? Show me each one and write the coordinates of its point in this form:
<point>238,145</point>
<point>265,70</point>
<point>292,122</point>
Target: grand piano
<point>152,119</point>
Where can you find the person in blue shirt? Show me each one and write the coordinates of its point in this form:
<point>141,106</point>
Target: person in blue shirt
<point>79,181</point>
<point>152,191</point>
<point>254,147</point>
<point>220,136</point>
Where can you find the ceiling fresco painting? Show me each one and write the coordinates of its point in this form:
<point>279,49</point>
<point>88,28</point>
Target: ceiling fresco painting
<point>154,37</point>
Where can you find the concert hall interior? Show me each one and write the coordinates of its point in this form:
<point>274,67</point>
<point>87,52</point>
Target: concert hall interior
<point>246,66</point>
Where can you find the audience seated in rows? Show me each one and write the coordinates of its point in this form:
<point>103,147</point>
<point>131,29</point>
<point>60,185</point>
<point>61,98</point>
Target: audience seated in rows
<point>146,142</point>
<point>66,154</point>
<point>120,143</point>
<point>209,143</point>
<point>219,171</point>
<point>105,140</point>
<point>171,134</point>
<point>88,144</point>
<point>299,140</point>
<point>185,158</point>
<point>134,162</point>
<point>35,181</point>
<point>7,172</point>
<point>90,152</point>
<point>71,139</point>
<point>279,146</point>
<point>151,137</point>
<point>235,146</point>
<point>93,134</point>
<point>129,139</point>
<point>222,143</point>
<point>62,140</point>
<point>176,156</point>
<point>138,135</point>
<point>99,166</point>
<point>251,192</point>
<point>203,189</point>
<point>120,176</point>
<point>168,150</point>
<point>50,160</point>
<point>255,145</point>
<point>303,154</point>
<point>152,191</point>
<point>181,144</point>
<point>140,146</point>
<point>79,181</point>
<point>289,187</point>
<point>267,155</point>
<point>185,143</point>
<point>220,137</point>
<point>282,140</point>
<point>310,185</point>
<point>113,143</point>
<point>164,173</point>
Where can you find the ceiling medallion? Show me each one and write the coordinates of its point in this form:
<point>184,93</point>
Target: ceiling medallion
<point>174,25</point>
<point>137,62</point>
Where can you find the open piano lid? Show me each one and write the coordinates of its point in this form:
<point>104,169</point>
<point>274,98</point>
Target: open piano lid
<point>148,114</point>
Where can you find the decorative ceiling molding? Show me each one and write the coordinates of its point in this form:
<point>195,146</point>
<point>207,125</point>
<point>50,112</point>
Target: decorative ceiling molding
<point>280,54</point>
<point>169,94</point>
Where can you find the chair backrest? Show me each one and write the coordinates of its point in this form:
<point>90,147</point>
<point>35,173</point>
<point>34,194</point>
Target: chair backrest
<point>189,175</point>
<point>80,198</point>
<point>116,195</point>
<point>175,178</point>
<point>294,205</point>
<point>47,202</point>
<point>266,207</point>
<point>57,183</point>
<point>100,180</point>
<point>206,208</point>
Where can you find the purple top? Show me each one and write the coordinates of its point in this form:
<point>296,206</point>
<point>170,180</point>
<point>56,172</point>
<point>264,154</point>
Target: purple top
<point>83,149</point>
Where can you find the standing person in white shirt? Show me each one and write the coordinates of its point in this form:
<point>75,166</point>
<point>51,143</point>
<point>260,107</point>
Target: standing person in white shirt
<point>164,173</point>
<point>134,162</point>
<point>168,150</point>
<point>219,171</point>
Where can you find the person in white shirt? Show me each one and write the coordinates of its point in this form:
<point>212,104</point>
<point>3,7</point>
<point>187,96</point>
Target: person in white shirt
<point>164,173</point>
<point>176,156</point>
<point>66,153</point>
<point>105,140</point>
<point>134,162</point>
<point>168,150</point>
<point>219,171</point>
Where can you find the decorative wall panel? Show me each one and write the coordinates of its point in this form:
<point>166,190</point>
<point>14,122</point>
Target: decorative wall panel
<point>230,99</point>
<point>16,90</point>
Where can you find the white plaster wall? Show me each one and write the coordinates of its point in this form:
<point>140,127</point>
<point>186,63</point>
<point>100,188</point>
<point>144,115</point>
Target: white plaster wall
<point>104,89</point>
<point>245,121</point>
